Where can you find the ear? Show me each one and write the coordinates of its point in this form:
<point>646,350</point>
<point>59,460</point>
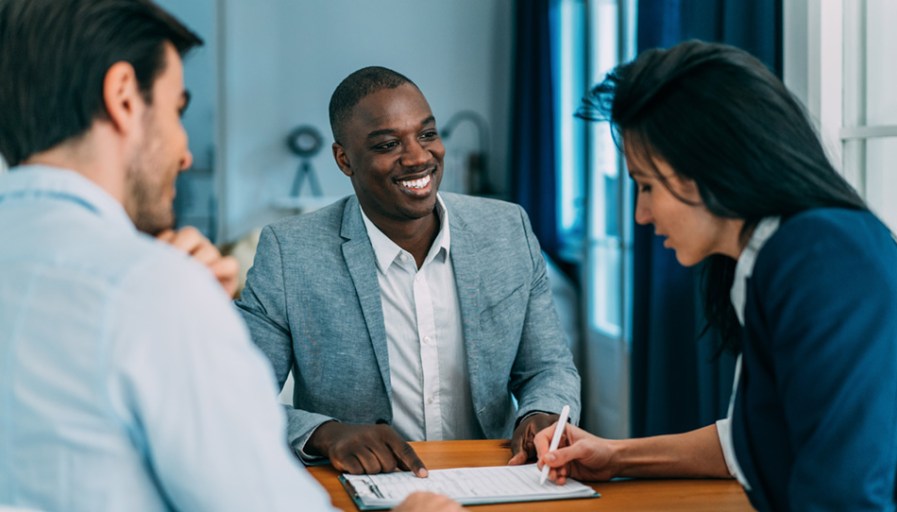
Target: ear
<point>342,159</point>
<point>122,98</point>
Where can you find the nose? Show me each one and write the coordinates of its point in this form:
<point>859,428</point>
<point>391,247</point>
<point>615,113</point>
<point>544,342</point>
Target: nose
<point>415,154</point>
<point>186,160</point>
<point>643,211</point>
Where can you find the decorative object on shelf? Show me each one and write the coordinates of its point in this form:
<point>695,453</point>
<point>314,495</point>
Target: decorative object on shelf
<point>477,178</point>
<point>305,141</point>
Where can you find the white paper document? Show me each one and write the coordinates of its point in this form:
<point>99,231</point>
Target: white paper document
<point>469,486</point>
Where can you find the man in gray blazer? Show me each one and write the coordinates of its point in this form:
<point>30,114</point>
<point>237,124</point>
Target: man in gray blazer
<point>406,314</point>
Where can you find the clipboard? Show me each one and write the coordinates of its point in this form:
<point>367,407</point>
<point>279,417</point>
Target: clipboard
<point>465,485</point>
<point>347,485</point>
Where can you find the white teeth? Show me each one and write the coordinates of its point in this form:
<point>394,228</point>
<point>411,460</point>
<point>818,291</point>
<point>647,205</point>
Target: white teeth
<point>416,184</point>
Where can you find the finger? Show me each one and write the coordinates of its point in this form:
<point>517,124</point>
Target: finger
<point>386,459</point>
<point>370,461</point>
<point>225,268</point>
<point>166,236</point>
<point>566,439</point>
<point>206,253</point>
<point>349,464</point>
<point>560,478</point>
<point>562,456</point>
<point>428,501</point>
<point>528,434</point>
<point>542,440</point>
<point>408,459</point>
<point>517,441</point>
<point>517,459</point>
<point>562,473</point>
<point>188,239</point>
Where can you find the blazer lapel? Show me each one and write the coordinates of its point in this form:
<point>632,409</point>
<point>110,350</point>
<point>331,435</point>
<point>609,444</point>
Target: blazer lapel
<point>467,264</point>
<point>359,256</point>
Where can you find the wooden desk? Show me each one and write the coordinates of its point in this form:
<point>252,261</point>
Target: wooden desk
<point>684,495</point>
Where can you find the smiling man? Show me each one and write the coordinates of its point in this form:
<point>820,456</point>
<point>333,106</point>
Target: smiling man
<point>405,314</point>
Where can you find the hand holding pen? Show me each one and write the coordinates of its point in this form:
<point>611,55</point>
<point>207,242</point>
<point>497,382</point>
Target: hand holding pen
<point>578,454</point>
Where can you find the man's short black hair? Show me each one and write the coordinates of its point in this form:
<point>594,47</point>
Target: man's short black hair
<point>356,86</point>
<point>56,54</point>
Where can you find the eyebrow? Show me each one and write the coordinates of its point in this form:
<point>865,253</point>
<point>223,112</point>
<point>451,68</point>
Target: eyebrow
<point>390,131</point>
<point>638,173</point>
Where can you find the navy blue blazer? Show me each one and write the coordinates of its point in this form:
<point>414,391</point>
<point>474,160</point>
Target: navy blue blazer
<point>815,419</point>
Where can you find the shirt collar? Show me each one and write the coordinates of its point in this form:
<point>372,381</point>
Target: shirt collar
<point>745,266</point>
<point>386,251</point>
<point>43,181</point>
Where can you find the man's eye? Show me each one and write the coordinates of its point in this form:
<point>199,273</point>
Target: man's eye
<point>386,146</point>
<point>429,135</point>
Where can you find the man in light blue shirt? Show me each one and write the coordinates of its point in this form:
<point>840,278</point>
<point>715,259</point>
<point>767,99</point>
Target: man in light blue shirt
<point>127,380</point>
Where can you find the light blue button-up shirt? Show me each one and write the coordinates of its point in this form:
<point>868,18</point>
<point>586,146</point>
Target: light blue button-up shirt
<point>127,380</point>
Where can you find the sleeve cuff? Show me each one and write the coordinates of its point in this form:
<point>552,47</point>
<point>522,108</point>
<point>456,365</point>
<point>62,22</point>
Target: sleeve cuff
<point>530,413</point>
<point>724,431</point>
<point>298,446</point>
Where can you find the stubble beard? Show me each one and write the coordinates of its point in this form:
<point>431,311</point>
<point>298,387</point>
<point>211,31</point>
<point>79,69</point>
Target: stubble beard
<point>149,211</point>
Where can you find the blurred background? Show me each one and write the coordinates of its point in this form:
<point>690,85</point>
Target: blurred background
<point>503,78</point>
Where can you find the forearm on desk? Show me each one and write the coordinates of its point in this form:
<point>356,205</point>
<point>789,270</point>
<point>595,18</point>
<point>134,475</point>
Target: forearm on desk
<point>692,454</point>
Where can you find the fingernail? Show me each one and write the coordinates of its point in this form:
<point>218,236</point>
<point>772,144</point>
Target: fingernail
<point>423,473</point>
<point>550,456</point>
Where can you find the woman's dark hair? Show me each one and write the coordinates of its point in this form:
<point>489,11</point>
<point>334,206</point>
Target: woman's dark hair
<point>719,117</point>
<point>55,57</point>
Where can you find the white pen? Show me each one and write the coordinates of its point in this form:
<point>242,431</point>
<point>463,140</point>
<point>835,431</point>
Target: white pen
<point>555,439</point>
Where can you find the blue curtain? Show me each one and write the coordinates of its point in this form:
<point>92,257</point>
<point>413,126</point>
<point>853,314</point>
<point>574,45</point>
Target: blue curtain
<point>677,384</point>
<point>533,163</point>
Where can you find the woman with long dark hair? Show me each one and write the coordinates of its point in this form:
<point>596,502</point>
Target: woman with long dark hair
<point>800,280</point>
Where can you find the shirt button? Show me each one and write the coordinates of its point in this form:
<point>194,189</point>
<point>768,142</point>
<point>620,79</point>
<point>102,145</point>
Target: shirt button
<point>427,340</point>
<point>431,400</point>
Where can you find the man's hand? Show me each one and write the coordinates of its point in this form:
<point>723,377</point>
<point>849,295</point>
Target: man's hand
<point>192,242</point>
<point>428,502</point>
<point>522,448</point>
<point>369,449</point>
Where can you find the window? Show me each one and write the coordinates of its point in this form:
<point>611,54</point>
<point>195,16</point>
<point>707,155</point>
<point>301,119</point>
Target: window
<point>570,84</point>
<point>839,61</point>
<point>868,130</point>
<point>595,194</point>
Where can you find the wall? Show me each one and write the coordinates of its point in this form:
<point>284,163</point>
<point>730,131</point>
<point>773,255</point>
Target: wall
<point>196,202</point>
<point>280,61</point>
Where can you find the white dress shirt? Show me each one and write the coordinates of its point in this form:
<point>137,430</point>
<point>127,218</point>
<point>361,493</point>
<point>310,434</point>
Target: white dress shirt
<point>431,397</point>
<point>127,380</point>
<point>743,270</point>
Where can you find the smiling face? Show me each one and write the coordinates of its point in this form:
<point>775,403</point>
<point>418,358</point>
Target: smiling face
<point>392,152</point>
<point>162,152</point>
<point>689,227</point>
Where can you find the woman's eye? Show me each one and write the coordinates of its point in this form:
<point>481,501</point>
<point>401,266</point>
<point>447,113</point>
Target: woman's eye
<point>644,188</point>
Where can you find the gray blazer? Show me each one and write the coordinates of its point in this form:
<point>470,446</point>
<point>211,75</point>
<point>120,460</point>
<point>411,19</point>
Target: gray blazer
<point>312,302</point>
